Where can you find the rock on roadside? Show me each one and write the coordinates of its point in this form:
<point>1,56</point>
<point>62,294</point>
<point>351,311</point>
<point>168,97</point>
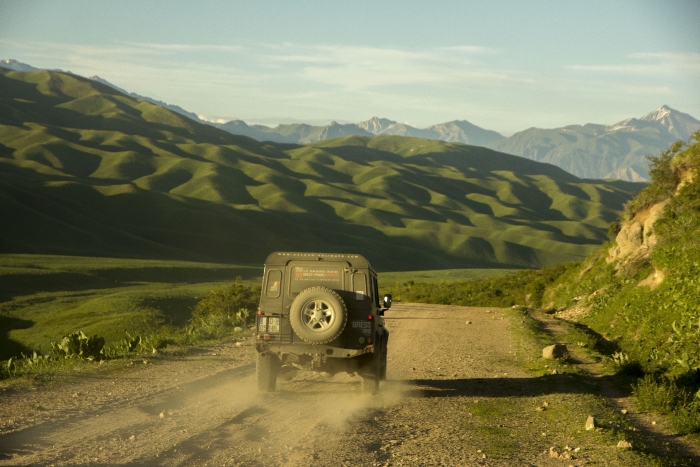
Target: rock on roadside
<point>590,423</point>
<point>555,352</point>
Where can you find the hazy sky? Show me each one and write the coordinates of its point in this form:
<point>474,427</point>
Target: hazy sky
<point>502,65</point>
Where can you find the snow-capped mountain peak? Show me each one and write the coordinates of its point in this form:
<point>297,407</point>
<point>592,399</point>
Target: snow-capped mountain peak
<point>679,124</point>
<point>376,125</point>
<point>13,64</point>
<point>659,114</point>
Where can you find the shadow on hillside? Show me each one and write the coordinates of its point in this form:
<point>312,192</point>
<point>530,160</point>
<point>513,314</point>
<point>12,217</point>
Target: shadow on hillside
<point>602,344</point>
<point>80,220</point>
<point>17,285</point>
<point>177,311</point>
<point>8,347</point>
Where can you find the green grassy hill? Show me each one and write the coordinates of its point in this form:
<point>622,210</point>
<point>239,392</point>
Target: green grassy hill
<point>86,170</point>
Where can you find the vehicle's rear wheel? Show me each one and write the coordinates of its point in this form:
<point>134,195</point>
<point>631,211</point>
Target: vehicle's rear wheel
<point>382,369</point>
<point>372,373</point>
<point>318,315</point>
<point>384,347</point>
<point>267,369</point>
<point>369,384</point>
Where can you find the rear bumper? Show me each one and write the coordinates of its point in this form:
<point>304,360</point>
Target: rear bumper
<point>320,357</point>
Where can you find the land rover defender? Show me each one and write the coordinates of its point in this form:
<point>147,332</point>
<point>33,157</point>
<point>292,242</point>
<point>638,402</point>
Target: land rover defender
<point>321,312</point>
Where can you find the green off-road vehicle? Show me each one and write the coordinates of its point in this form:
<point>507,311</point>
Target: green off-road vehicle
<point>321,312</point>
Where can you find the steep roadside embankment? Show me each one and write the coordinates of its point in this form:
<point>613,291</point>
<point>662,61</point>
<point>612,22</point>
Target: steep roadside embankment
<point>640,294</point>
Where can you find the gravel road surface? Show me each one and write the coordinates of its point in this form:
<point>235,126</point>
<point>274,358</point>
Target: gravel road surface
<point>203,409</point>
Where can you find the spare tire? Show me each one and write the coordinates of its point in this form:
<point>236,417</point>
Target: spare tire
<point>318,315</point>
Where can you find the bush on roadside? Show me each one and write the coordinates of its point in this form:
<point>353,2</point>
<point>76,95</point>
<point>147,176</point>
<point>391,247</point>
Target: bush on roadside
<point>221,310</point>
<point>686,417</point>
<point>522,288</point>
<point>656,394</point>
<point>663,396</point>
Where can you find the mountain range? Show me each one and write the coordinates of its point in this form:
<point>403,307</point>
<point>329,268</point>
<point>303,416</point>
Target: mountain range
<point>588,151</point>
<point>604,151</point>
<point>460,131</point>
<point>88,170</point>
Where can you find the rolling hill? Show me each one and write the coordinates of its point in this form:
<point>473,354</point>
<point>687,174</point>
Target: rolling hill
<point>88,170</point>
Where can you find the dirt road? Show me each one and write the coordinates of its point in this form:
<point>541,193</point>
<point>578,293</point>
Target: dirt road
<point>454,396</point>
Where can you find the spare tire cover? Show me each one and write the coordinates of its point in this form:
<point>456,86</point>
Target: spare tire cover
<point>318,315</point>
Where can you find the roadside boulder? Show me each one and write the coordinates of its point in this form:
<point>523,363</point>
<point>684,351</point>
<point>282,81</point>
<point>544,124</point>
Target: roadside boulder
<point>555,352</point>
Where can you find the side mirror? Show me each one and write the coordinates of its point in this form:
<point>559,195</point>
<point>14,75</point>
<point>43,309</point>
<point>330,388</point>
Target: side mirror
<point>387,300</point>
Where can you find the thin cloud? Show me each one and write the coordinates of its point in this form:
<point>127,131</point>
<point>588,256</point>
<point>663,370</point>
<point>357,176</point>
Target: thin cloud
<point>648,63</point>
<point>359,68</point>
<point>124,52</point>
<point>471,49</point>
<point>185,47</point>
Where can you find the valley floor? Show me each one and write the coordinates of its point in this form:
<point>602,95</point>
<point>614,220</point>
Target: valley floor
<point>461,390</point>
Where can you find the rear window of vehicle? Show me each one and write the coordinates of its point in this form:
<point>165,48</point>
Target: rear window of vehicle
<point>303,277</point>
<point>359,285</point>
<point>274,277</point>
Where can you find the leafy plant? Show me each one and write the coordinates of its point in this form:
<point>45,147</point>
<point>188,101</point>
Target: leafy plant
<point>620,359</point>
<point>11,365</point>
<point>35,359</point>
<point>131,344</point>
<point>79,345</point>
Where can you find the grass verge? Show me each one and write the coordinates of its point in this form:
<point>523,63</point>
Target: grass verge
<point>561,395</point>
<point>124,308</point>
